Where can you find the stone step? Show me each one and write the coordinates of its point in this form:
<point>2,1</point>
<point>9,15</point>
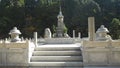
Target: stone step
<point>55,58</point>
<point>52,67</point>
<point>57,48</point>
<point>73,64</point>
<point>57,53</point>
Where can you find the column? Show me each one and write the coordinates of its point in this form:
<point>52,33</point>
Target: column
<point>35,38</point>
<point>73,33</point>
<point>91,28</point>
<point>79,35</point>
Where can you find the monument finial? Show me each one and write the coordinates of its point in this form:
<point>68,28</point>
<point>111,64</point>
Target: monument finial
<point>60,15</point>
<point>60,9</point>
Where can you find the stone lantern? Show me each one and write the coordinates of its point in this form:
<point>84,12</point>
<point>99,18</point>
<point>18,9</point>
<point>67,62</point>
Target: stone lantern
<point>15,34</point>
<point>101,33</point>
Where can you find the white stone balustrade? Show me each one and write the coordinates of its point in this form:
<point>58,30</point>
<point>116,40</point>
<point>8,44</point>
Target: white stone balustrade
<point>101,53</point>
<point>15,53</point>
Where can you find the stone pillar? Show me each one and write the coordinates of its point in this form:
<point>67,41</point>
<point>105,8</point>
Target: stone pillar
<point>79,35</point>
<point>73,33</point>
<point>35,38</point>
<point>91,28</point>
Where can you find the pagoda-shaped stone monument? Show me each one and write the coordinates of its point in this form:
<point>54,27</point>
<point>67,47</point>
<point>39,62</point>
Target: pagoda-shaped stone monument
<point>60,26</point>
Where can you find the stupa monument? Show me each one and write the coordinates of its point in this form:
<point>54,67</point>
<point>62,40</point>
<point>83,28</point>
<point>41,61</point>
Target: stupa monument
<point>60,31</point>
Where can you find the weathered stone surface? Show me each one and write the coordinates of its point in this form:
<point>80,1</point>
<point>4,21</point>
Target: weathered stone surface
<point>99,53</point>
<point>14,53</point>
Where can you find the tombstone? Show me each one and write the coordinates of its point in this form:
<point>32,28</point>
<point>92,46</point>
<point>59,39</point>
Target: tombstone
<point>102,34</point>
<point>15,34</point>
<point>47,33</point>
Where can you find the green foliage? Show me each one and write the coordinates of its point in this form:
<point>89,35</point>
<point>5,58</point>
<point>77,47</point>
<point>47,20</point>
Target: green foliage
<point>115,28</point>
<point>54,28</point>
<point>65,29</point>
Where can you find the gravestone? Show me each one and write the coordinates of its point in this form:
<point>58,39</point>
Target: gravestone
<point>47,33</point>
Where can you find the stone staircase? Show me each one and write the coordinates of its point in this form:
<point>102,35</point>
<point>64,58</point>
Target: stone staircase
<point>56,57</point>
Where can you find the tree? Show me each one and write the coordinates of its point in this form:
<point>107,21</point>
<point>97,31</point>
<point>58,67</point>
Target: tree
<point>115,28</point>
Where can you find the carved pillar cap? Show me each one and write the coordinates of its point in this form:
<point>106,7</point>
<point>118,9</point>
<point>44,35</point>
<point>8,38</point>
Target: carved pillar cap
<point>102,29</point>
<point>15,31</point>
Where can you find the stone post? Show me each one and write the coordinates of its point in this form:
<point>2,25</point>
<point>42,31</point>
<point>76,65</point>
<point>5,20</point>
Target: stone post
<point>79,35</point>
<point>91,28</point>
<point>73,33</point>
<point>35,38</point>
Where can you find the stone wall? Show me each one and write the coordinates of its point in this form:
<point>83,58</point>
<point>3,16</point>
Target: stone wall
<point>101,53</point>
<point>14,53</point>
